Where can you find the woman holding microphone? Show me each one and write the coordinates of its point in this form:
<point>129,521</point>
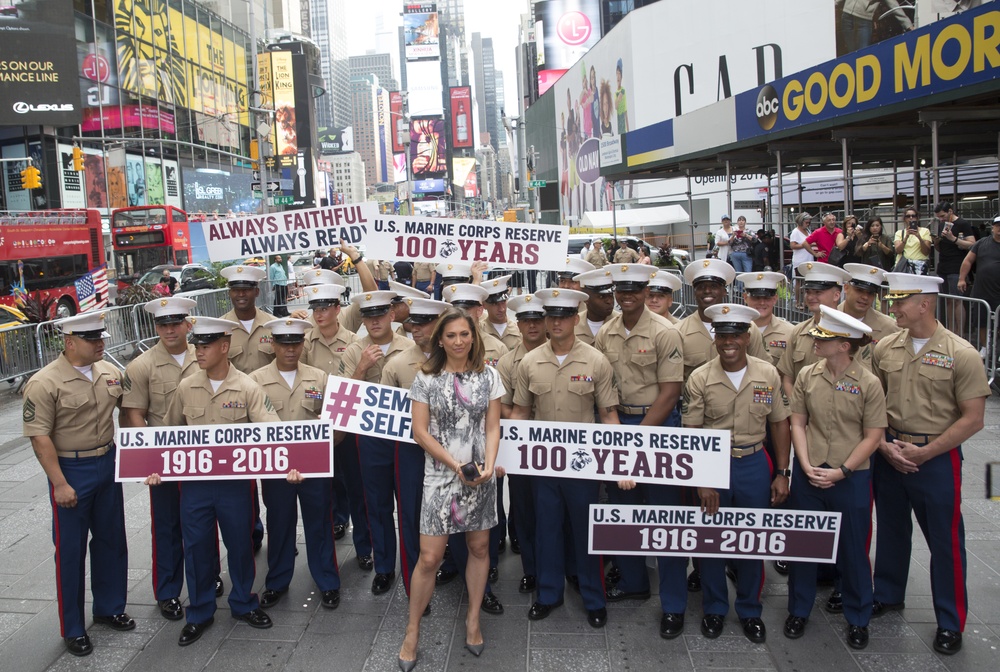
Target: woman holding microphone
<point>456,420</point>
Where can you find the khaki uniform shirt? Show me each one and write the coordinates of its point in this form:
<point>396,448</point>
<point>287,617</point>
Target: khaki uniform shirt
<point>239,400</point>
<point>304,401</point>
<point>626,256</point>
<point>882,325</point>
<point>401,370</point>
<point>77,414</point>
<point>669,317</point>
<point>650,354</point>
<point>326,355</point>
<point>699,346</point>
<point>495,349</point>
<point>250,351</point>
<point>597,258</point>
<point>507,368</point>
<point>799,353</point>
<point>350,317</point>
<point>349,362</point>
<point>422,271</point>
<point>381,270</point>
<point>567,392</point>
<point>151,379</point>
<point>711,401</point>
<point>776,337</point>
<point>511,336</point>
<point>923,390</point>
<point>582,329</point>
<point>839,410</point>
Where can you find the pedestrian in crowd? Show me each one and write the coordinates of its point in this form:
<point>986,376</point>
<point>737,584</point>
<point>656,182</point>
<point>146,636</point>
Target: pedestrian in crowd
<point>68,414</point>
<point>740,243</point>
<point>277,277</point>
<point>456,420</point>
<point>644,257</point>
<point>162,287</point>
<point>985,257</point>
<point>838,420</point>
<point>761,251</point>
<point>876,246</point>
<point>548,389</point>
<point>383,272</point>
<point>824,240</point>
<point>403,271</point>
<point>660,298</point>
<point>587,248</point>
<point>423,276</point>
<point>600,305</point>
<point>296,391</point>
<point>625,254</point>
<point>913,243</point>
<point>861,292</point>
<point>955,237</point>
<point>217,394</point>
<point>854,235</point>
<point>317,259</point>
<point>150,381</point>
<point>597,257</point>
<point>364,360</point>
<point>936,392</point>
<point>723,236</point>
<point>801,251</point>
<point>760,292</point>
<point>333,261</point>
<point>741,394</point>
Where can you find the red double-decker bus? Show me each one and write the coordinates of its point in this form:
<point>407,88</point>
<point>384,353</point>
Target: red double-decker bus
<point>146,236</point>
<point>46,252</point>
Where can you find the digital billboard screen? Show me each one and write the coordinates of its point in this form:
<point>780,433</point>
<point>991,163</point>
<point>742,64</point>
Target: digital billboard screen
<point>461,116</point>
<point>421,38</point>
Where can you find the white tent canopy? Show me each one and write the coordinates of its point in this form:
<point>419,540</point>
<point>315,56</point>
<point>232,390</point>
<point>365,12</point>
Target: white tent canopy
<point>635,222</point>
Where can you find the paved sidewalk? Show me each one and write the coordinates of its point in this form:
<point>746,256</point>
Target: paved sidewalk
<point>366,631</point>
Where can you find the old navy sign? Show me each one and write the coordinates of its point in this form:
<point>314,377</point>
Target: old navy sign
<point>946,56</point>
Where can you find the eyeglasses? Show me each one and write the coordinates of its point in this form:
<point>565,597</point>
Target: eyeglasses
<point>909,216</point>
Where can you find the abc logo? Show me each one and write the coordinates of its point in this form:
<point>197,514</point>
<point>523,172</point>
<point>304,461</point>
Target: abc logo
<point>767,107</point>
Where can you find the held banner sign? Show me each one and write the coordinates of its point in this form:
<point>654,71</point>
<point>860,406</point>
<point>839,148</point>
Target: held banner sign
<point>225,452</point>
<point>288,232</point>
<point>764,534</point>
<point>657,455</point>
<point>368,409</point>
<point>436,240</point>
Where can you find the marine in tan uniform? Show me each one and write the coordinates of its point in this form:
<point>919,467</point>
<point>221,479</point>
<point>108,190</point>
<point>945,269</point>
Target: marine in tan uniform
<point>565,391</point>
<point>567,274</point>
<point>600,305</point>
<point>760,292</point>
<point>251,342</point>
<point>68,414</point>
<point>741,394</point>
<point>423,276</point>
<point>218,394</point>
<point>936,392</point>
<point>625,254</point>
<point>838,420</point>
<point>597,257</point>
<point>150,380</point>
<point>661,294</point>
<point>495,320</point>
<point>470,298</point>
<point>821,284</point>
<point>382,271</point>
<point>860,293</point>
<point>710,278</point>
<point>296,391</point>
<point>402,308</point>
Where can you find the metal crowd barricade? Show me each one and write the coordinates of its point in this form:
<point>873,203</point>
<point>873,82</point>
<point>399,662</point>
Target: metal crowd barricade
<point>18,352</point>
<point>120,344</point>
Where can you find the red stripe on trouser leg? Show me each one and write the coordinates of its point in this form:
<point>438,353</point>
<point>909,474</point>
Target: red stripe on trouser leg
<point>956,548</point>
<point>152,531</point>
<point>55,530</point>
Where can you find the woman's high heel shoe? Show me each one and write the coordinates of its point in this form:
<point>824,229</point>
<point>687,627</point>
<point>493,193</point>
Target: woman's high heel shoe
<point>407,665</point>
<point>476,649</point>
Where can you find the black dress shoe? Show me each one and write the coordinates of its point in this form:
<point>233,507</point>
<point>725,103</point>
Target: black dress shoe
<point>574,581</point>
<point>269,597</point>
<point>947,641</point>
<point>331,599</point>
<point>120,622</point>
<point>835,603</point>
<point>613,576</point>
<point>597,618</point>
<point>754,630</point>
<point>857,636</point>
<point>494,575</point>
<point>781,567</point>
<point>539,611</point>
<point>527,584</point>
<point>219,586</point>
<point>880,608</point>
<point>444,576</point>
<point>795,627</point>
<point>171,609</point>
<point>382,583</point>
<point>491,604</point>
<point>616,594</point>
<point>339,531</point>
<point>515,546</point>
<point>79,646</point>
<point>711,625</point>
<point>694,581</point>
<point>366,563</point>
<point>256,619</point>
<point>257,545</point>
<point>671,625</point>
<point>192,632</point>
<point>502,545</point>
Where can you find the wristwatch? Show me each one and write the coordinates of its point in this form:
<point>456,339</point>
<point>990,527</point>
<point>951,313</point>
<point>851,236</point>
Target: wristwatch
<point>787,473</point>
<point>845,471</point>
<point>355,260</point>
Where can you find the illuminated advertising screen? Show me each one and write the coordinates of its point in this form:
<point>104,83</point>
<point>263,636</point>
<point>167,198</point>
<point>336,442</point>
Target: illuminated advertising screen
<point>423,80</point>
<point>565,31</point>
<point>461,116</point>
<point>428,151</point>
<point>283,84</point>
<point>395,114</point>
<point>420,32</point>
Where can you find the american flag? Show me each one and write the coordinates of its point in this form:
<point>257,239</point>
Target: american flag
<point>92,290</point>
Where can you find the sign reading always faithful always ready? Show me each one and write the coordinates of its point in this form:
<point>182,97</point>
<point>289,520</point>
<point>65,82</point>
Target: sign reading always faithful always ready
<point>225,452</point>
<point>806,536</point>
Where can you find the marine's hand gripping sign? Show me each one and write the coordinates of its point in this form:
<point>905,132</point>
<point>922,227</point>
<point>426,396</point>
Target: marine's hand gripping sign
<point>661,455</point>
<point>225,452</point>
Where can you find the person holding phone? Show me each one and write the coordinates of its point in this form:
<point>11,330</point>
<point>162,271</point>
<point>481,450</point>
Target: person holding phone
<point>914,243</point>
<point>456,420</point>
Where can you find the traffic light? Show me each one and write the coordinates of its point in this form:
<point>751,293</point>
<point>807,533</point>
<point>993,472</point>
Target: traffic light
<point>254,155</point>
<point>77,159</point>
<point>31,178</point>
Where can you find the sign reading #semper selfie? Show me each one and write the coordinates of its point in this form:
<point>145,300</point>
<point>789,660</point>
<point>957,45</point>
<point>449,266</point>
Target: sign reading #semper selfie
<point>511,245</point>
<point>765,534</point>
<point>225,452</point>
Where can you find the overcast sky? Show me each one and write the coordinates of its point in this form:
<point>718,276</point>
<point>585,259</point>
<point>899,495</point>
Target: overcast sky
<point>499,19</point>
